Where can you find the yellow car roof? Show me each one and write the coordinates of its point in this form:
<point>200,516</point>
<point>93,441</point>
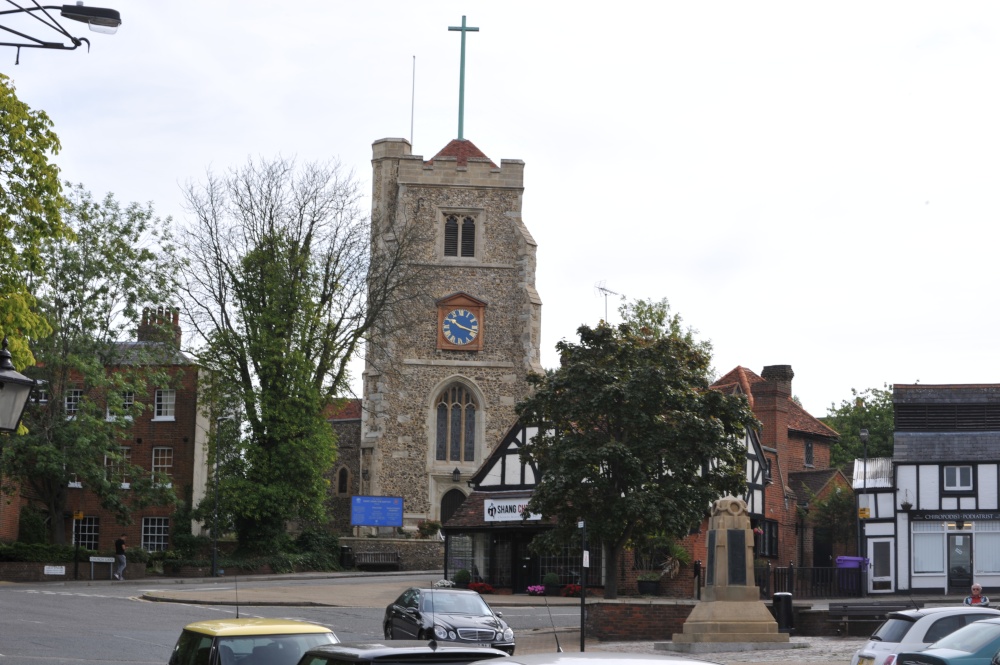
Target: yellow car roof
<point>255,626</point>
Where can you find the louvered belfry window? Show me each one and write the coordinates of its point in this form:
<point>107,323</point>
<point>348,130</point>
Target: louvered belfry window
<point>456,425</point>
<point>460,237</point>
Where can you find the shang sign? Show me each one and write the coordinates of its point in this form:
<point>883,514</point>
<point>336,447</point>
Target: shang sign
<point>506,510</point>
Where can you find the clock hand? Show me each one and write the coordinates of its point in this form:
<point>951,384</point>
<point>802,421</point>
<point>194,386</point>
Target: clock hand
<point>459,325</point>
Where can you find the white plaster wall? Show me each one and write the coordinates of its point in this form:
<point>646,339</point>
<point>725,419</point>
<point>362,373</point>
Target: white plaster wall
<point>879,529</point>
<point>886,505</point>
<point>906,483</point>
<point>987,486</point>
<point>929,488</point>
<point>903,552</point>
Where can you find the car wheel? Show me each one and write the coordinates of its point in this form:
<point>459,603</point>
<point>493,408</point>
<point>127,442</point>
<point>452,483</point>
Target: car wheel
<point>387,631</point>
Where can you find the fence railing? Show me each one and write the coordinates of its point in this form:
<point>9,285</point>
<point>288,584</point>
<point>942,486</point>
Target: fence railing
<point>804,582</point>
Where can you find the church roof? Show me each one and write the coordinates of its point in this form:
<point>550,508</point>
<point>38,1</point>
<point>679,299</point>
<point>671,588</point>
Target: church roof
<point>462,150</point>
<point>348,409</point>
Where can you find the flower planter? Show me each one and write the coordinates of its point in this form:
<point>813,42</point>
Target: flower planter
<point>552,590</point>
<point>649,587</point>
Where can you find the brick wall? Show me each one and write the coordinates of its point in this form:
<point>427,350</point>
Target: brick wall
<point>622,621</point>
<point>20,571</point>
<point>415,553</point>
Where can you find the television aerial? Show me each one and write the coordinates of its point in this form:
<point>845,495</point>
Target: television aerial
<point>605,291</point>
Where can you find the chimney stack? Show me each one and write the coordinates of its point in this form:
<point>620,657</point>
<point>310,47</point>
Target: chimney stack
<point>160,324</point>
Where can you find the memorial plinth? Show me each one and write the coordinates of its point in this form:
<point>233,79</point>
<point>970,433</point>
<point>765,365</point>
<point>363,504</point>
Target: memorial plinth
<point>731,611</point>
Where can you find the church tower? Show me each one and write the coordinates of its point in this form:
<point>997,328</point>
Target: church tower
<point>458,371</point>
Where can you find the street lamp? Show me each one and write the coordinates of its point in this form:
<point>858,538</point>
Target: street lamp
<point>15,389</point>
<point>99,19</point>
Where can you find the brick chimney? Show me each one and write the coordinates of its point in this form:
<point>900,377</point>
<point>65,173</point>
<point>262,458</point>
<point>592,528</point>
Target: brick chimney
<point>160,324</point>
<point>772,397</point>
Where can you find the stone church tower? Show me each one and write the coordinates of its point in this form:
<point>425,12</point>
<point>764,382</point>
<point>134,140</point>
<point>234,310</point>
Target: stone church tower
<point>430,421</point>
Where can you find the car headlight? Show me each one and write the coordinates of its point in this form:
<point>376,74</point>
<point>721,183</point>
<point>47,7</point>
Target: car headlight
<point>440,632</point>
<point>508,635</point>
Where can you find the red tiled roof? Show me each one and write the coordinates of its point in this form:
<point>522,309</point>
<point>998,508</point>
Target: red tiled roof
<point>348,409</point>
<point>812,483</point>
<point>798,418</point>
<point>463,151</point>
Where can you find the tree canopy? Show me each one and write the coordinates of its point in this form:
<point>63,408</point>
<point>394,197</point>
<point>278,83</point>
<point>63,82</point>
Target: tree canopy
<point>631,437</point>
<point>869,409</point>
<point>282,290</point>
<point>97,278</point>
<point>30,200</point>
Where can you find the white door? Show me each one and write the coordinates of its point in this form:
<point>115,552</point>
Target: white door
<point>882,570</point>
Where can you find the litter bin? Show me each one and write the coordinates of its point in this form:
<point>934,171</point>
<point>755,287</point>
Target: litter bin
<point>783,612</point>
<point>346,557</point>
<point>849,573</point>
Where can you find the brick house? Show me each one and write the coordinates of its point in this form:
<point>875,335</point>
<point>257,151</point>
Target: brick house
<point>793,442</point>
<point>171,436</point>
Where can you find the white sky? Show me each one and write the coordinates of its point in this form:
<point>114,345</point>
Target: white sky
<point>812,184</point>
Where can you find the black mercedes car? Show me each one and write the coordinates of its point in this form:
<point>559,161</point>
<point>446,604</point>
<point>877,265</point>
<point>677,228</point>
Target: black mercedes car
<point>447,615</point>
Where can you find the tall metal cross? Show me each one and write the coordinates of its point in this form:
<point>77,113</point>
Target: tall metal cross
<point>461,76</point>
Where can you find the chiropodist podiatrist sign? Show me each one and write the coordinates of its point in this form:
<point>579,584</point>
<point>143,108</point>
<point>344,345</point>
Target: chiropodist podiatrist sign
<point>506,510</point>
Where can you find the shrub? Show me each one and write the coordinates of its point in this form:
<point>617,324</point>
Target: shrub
<point>551,579</point>
<point>428,528</point>
<point>31,526</point>
<point>463,576</point>
<point>572,590</point>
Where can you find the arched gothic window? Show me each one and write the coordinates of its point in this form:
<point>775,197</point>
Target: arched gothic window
<point>450,503</point>
<point>343,478</point>
<point>456,425</point>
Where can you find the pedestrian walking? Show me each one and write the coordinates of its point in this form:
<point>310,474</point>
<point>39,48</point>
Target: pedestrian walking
<point>120,557</point>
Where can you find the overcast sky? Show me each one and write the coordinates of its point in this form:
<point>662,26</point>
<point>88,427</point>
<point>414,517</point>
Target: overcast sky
<point>810,184</point>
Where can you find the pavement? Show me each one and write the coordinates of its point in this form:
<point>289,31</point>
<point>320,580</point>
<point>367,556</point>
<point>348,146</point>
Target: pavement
<point>368,589</point>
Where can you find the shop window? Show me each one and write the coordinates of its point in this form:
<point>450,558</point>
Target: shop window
<point>928,547</point>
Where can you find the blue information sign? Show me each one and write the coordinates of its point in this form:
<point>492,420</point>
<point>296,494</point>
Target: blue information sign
<point>376,511</point>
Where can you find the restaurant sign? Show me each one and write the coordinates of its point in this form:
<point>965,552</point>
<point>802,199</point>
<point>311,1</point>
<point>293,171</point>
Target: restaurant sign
<point>506,510</point>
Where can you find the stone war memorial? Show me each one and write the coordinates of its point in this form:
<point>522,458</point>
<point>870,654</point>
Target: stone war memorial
<point>731,615</point>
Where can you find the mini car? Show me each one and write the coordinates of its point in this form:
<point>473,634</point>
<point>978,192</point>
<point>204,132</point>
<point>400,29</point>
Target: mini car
<point>915,630</point>
<point>253,641</point>
<point>975,644</point>
<point>447,615</point>
<point>398,651</point>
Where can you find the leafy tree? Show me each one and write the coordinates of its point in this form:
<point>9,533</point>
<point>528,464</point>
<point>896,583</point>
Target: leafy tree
<point>29,214</point>
<point>838,512</point>
<point>631,438</point>
<point>97,278</point>
<point>869,409</point>
<point>283,289</point>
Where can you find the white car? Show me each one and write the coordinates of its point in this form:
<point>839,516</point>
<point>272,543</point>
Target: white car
<point>915,630</point>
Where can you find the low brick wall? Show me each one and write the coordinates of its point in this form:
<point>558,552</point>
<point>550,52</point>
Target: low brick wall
<point>20,571</point>
<point>415,553</point>
<point>637,620</point>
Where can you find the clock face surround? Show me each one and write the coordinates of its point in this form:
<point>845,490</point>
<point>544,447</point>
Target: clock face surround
<point>460,326</point>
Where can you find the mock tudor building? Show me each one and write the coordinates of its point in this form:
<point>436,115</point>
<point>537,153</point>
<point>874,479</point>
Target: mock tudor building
<point>939,526</point>
<point>432,418</point>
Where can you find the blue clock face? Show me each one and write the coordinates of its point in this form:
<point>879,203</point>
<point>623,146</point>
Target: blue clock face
<point>460,326</point>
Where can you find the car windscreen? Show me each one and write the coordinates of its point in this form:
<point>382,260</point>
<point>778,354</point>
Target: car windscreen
<point>269,649</point>
<point>970,639</point>
<point>893,630</point>
<point>455,603</point>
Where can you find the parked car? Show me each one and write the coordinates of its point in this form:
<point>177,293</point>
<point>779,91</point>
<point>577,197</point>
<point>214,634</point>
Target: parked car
<point>447,615</point>
<point>594,657</point>
<point>399,651</point>
<point>975,644</point>
<point>915,630</point>
<point>248,642</point>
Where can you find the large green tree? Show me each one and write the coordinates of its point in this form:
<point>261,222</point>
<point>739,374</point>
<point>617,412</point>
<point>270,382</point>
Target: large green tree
<point>631,439</point>
<point>283,289</point>
<point>30,199</point>
<point>115,260</point>
<point>869,409</point>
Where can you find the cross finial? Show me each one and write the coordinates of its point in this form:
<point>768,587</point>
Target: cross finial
<point>461,75</point>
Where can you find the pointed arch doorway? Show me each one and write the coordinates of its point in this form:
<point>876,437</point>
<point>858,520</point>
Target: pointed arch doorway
<point>450,502</point>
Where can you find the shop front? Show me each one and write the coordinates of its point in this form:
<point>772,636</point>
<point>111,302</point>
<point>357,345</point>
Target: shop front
<point>952,549</point>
